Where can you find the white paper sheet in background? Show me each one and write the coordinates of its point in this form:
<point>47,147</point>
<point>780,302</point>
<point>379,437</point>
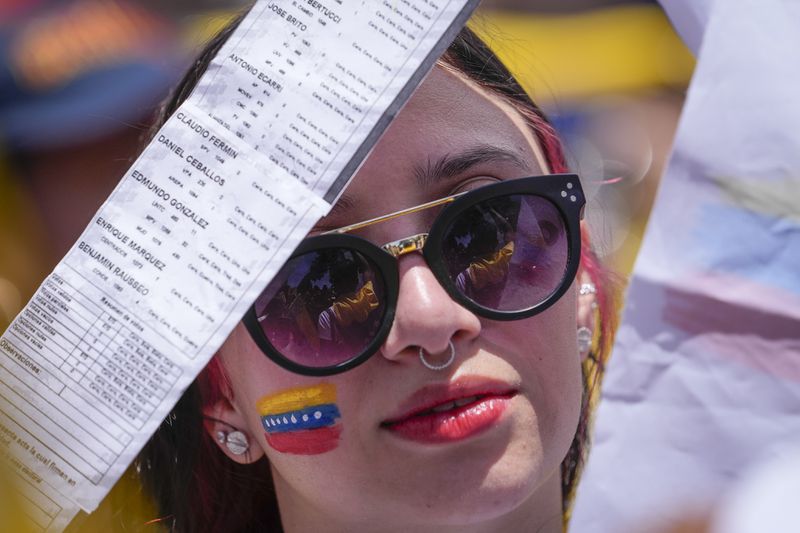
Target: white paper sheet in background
<point>705,374</point>
<point>689,18</point>
<point>765,499</point>
<point>194,231</point>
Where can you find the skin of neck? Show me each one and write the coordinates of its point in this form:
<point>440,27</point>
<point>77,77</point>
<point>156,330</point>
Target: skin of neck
<point>539,513</point>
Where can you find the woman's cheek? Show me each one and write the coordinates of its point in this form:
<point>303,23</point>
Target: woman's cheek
<point>301,420</point>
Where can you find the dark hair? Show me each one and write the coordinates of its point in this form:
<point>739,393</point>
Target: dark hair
<point>197,488</point>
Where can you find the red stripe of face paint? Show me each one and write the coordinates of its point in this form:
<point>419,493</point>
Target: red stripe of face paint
<point>305,442</point>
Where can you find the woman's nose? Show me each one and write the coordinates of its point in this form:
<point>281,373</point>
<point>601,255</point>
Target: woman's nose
<point>426,316</point>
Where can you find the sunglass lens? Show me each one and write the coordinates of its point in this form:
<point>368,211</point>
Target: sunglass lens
<point>507,253</point>
<point>323,308</point>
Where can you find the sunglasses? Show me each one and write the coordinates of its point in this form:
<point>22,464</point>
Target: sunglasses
<point>505,251</point>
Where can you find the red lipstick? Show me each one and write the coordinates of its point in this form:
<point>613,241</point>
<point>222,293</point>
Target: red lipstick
<point>452,412</point>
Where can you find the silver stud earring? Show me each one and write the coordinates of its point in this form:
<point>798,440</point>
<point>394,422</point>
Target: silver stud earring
<point>585,336</point>
<point>587,288</point>
<point>236,441</point>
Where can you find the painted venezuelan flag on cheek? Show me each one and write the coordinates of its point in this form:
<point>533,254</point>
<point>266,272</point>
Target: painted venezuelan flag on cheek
<point>301,420</point>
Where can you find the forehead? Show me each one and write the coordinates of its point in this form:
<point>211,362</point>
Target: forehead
<point>447,115</point>
<point>449,100</point>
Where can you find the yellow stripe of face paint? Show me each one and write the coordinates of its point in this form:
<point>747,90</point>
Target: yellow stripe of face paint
<point>296,398</point>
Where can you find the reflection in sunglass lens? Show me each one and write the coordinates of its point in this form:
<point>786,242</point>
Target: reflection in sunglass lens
<point>324,307</point>
<point>507,253</point>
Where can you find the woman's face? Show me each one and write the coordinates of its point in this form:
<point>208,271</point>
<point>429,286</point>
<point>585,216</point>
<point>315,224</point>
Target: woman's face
<point>371,473</point>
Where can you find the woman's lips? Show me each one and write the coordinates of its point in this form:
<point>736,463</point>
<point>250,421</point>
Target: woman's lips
<point>457,414</point>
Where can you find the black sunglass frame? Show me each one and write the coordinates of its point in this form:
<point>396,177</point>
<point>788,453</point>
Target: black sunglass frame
<point>564,191</point>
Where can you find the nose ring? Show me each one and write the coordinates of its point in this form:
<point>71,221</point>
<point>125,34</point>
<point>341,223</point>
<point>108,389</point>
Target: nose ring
<point>442,366</point>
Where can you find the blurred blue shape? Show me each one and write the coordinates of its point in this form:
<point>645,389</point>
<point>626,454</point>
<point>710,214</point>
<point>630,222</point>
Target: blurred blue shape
<point>116,83</point>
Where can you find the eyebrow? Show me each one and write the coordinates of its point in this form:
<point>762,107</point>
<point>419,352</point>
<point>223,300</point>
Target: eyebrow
<point>448,166</point>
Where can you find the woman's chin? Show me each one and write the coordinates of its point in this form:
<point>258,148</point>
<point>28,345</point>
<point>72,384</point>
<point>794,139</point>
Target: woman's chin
<point>496,499</point>
<point>470,486</point>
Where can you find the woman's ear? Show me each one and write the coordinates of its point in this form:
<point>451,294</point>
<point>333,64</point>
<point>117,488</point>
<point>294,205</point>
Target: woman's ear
<point>228,428</point>
<point>587,314</point>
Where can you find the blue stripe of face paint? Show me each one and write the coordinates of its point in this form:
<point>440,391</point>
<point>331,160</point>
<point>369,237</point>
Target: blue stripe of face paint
<point>309,418</point>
